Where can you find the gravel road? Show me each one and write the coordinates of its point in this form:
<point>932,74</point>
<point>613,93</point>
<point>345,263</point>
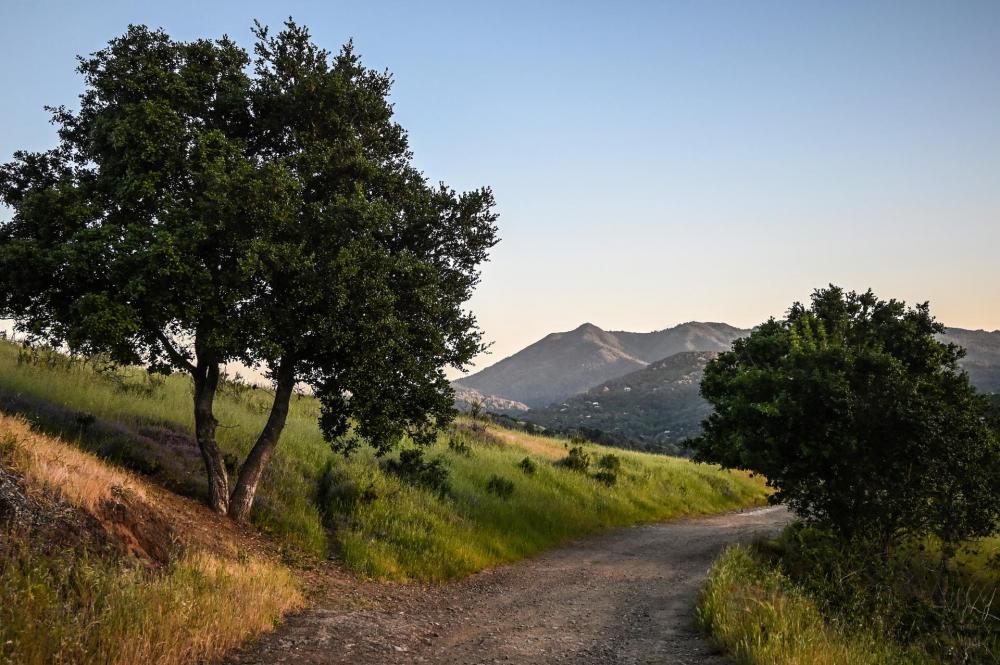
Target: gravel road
<point>626,596</point>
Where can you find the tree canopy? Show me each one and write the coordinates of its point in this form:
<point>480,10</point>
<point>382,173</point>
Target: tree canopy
<point>204,206</point>
<point>859,418</point>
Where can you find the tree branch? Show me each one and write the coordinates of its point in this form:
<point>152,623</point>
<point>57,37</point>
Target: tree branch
<point>174,354</point>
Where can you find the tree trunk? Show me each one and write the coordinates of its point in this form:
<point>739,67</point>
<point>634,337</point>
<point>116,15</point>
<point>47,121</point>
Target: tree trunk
<point>253,467</point>
<point>941,588</point>
<point>206,382</point>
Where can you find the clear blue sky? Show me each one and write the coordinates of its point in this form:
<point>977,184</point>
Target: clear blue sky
<point>654,162</point>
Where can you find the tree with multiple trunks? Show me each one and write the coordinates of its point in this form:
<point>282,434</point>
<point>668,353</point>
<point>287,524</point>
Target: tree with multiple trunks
<point>859,418</point>
<point>203,207</point>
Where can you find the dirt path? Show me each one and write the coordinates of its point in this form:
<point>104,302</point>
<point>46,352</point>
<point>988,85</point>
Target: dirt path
<point>623,597</point>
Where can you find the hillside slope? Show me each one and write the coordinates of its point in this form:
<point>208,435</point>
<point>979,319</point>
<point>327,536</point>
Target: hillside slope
<point>567,363</point>
<point>656,407</point>
<point>98,565</point>
<point>982,360</point>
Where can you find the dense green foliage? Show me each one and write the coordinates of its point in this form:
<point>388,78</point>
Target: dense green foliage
<point>199,210</point>
<point>377,523</point>
<point>860,419</point>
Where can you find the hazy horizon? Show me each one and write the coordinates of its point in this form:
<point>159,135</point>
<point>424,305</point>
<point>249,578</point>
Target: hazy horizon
<point>652,163</point>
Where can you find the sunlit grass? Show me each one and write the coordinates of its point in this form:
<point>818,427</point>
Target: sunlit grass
<point>80,607</point>
<point>759,617</point>
<point>64,609</point>
<point>383,527</point>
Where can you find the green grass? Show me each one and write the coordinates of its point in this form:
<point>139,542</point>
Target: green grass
<point>805,597</point>
<point>758,616</point>
<point>379,525</point>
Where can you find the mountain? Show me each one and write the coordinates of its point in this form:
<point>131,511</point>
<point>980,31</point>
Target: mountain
<point>563,364</point>
<point>655,407</point>
<point>658,406</point>
<point>982,359</point>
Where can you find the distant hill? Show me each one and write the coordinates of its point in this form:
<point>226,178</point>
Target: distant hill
<point>982,359</point>
<point>655,407</point>
<point>640,381</point>
<point>563,364</point>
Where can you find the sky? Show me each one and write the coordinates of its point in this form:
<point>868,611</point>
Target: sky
<point>653,162</point>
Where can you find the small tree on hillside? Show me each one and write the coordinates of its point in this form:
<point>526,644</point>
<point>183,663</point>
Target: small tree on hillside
<point>859,418</point>
<point>199,211</point>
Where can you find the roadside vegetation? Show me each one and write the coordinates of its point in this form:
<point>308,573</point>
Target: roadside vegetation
<point>758,615</point>
<point>509,494</point>
<point>94,569</point>
<point>866,428</point>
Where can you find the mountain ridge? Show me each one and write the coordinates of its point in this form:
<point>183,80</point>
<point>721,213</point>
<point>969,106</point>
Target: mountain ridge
<point>551,382</point>
<point>562,364</point>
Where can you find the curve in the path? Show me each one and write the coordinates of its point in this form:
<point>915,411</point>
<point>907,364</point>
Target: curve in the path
<point>626,596</point>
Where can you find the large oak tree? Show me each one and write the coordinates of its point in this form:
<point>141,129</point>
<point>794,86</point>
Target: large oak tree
<point>204,207</point>
<point>859,418</point>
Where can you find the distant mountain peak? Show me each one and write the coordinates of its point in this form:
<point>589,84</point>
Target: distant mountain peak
<point>565,363</point>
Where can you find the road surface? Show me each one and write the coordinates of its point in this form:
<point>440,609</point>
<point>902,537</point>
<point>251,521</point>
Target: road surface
<point>626,596</point>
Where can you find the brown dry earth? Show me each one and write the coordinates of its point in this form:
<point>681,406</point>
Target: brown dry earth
<point>626,596</point>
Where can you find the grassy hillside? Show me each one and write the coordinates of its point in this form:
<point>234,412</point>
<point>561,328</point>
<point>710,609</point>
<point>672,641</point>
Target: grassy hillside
<point>654,408</point>
<point>379,524</point>
<point>98,566</point>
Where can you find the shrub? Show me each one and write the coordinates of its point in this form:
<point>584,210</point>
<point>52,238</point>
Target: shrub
<point>412,467</point>
<point>528,466</point>
<point>337,493</point>
<point>501,487</point>
<point>607,477</point>
<point>952,622</point>
<point>459,446</point>
<point>610,462</point>
<point>577,460</point>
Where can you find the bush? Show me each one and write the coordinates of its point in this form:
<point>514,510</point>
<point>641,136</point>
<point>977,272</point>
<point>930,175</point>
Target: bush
<point>337,493</point>
<point>528,466</point>
<point>610,462</point>
<point>500,487</point>
<point>412,467</point>
<point>606,477</point>
<point>577,460</point>
<point>459,446</point>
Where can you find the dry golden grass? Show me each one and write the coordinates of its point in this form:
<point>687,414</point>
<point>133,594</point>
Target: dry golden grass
<point>81,608</point>
<point>60,609</point>
<point>546,447</point>
<point>77,477</point>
